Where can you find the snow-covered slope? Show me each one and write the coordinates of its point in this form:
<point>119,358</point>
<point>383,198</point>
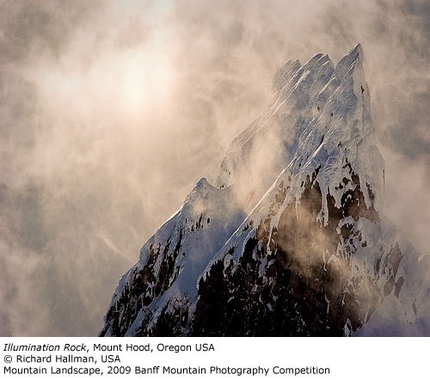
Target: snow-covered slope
<point>171,261</point>
<point>292,241</point>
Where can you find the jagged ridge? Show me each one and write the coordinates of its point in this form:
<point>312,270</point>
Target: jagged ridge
<point>291,242</point>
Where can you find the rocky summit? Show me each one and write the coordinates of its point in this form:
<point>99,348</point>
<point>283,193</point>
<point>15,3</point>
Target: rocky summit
<point>291,240</point>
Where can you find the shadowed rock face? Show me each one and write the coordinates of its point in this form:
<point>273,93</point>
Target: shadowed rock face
<point>305,291</point>
<point>291,242</point>
<point>146,285</point>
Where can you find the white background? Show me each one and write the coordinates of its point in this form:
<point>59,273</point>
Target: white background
<point>347,358</point>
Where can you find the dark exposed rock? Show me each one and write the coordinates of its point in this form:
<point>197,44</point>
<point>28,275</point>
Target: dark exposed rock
<point>302,292</point>
<point>290,242</point>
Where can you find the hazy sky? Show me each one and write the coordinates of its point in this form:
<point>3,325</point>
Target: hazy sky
<point>110,111</point>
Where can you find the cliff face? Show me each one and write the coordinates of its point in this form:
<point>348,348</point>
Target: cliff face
<point>292,240</point>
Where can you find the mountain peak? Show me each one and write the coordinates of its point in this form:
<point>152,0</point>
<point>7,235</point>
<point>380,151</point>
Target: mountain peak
<point>202,188</point>
<point>354,57</point>
<point>357,52</point>
<point>291,241</point>
<point>320,111</point>
<point>284,74</point>
<point>203,182</point>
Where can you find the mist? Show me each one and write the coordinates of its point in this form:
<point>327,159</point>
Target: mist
<point>111,111</point>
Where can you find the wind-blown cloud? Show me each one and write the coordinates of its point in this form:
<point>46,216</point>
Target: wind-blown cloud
<point>111,111</point>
